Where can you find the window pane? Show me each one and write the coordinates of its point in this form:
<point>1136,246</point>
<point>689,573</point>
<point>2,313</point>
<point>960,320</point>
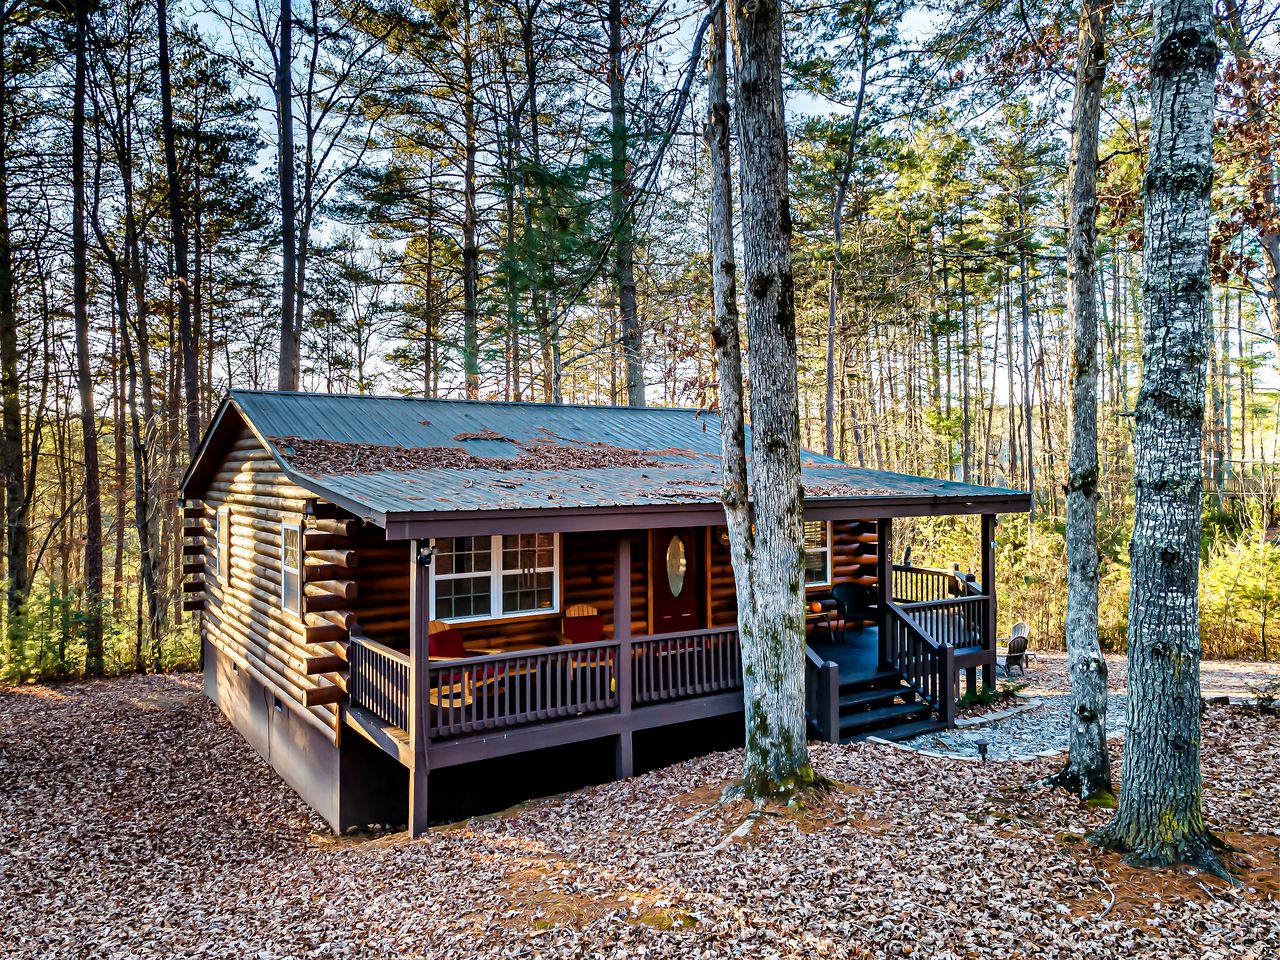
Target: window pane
<point>815,567</point>
<point>462,597</point>
<point>527,551</point>
<point>523,592</point>
<point>815,534</point>
<point>291,544</point>
<point>462,555</point>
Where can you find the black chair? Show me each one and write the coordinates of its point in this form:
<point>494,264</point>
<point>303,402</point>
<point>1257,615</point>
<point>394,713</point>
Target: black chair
<point>854,601</point>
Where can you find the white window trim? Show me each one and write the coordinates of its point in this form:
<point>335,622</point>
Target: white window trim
<point>495,586</point>
<point>222,544</point>
<point>284,567</point>
<point>827,582</point>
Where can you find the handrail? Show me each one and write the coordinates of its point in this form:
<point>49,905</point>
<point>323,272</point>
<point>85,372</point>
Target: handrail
<point>822,694</point>
<point>381,648</point>
<point>926,665</point>
<point>378,680</point>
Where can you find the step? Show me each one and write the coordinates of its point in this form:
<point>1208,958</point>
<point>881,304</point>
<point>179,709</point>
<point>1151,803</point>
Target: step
<point>868,698</point>
<point>874,681</point>
<point>904,731</point>
<point>867,721</point>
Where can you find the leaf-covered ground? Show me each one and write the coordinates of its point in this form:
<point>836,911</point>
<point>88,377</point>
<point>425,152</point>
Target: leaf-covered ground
<point>136,823</point>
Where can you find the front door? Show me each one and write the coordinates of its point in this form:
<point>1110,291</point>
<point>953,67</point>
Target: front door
<point>676,580</point>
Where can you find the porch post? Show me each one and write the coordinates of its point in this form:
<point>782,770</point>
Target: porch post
<point>989,588</point>
<point>625,763</point>
<point>884,583</point>
<point>419,569</point>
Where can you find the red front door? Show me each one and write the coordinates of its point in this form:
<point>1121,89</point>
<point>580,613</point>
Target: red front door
<point>676,580</point>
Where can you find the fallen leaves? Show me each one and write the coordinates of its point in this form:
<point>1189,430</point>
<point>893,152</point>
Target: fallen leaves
<point>134,822</point>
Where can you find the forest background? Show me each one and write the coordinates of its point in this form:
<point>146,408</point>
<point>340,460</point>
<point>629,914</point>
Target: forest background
<point>508,199</point>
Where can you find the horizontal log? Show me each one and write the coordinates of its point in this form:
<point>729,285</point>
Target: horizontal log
<point>315,572</point>
<point>317,696</point>
<point>346,589</point>
<point>325,664</point>
<point>326,602</point>
<point>325,722</point>
<point>340,526</point>
<point>339,558</point>
<point>326,541</point>
<point>324,633</point>
<point>346,619</point>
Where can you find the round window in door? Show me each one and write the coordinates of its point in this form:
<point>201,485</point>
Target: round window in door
<point>677,565</point>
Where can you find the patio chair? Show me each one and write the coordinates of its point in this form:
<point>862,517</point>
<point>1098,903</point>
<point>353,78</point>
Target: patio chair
<point>854,602</point>
<point>456,688</point>
<point>1015,651</point>
<point>582,623</point>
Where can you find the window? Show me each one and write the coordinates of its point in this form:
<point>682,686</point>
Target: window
<point>480,578</point>
<point>222,533</point>
<point>817,553</point>
<point>291,567</point>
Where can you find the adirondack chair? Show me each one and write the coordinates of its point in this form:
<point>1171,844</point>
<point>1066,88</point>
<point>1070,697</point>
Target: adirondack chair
<point>456,688</point>
<point>582,623</point>
<point>1015,650</point>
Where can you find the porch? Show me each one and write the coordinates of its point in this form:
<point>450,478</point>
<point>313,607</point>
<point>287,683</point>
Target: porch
<point>895,667</point>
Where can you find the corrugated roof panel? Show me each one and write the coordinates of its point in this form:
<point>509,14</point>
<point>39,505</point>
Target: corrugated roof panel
<point>684,445</point>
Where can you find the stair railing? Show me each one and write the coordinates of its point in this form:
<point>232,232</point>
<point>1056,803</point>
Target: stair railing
<point>822,695</point>
<point>928,667</point>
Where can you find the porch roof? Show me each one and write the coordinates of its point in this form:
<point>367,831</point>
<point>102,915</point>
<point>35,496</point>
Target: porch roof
<point>403,462</point>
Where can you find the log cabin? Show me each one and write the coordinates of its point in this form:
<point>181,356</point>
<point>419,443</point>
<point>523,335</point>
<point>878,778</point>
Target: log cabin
<point>392,586</point>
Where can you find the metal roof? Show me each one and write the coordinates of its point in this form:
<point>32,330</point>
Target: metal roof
<point>680,446</point>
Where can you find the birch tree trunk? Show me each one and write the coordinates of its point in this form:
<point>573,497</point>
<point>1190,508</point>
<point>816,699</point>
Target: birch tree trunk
<point>1161,816</point>
<point>768,563</point>
<point>1088,770</point>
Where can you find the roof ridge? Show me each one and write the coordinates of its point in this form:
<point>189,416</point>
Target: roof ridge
<point>237,391</point>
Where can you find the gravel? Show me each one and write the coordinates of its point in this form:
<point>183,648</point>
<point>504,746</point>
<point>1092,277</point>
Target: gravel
<point>136,823</point>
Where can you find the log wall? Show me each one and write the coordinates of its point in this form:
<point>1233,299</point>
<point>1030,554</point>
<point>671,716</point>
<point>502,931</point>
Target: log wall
<point>300,659</point>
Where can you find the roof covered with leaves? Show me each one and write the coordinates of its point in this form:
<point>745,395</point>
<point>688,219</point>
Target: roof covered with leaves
<point>393,456</point>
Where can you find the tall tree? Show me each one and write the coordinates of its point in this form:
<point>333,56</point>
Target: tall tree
<point>290,324</point>
<point>12,462</point>
<point>767,558</point>
<point>94,662</point>
<point>177,224</point>
<point>622,208</point>
<point>1088,769</point>
<point>1160,819</point>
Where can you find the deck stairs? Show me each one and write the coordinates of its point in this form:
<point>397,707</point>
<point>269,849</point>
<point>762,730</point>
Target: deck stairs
<point>882,705</point>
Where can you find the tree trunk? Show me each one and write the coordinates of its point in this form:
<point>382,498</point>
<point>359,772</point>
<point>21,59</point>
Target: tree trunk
<point>768,564</point>
<point>470,247</point>
<point>289,360</point>
<point>94,663</point>
<point>186,336</point>
<point>1088,769</point>
<point>1161,816</point>
<point>17,534</point>
<point>623,221</point>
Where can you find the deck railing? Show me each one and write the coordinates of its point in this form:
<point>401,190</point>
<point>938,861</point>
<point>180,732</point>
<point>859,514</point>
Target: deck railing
<point>674,665</point>
<point>927,665</point>
<point>822,695</point>
<point>956,621</point>
<point>378,680</point>
<point>503,690</point>
<point>511,689</point>
<point>912,584</point>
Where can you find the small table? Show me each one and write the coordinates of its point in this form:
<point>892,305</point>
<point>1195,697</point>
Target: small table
<point>813,619</point>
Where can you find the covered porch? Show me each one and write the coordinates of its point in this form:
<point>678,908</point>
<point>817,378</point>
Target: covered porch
<point>896,660</point>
